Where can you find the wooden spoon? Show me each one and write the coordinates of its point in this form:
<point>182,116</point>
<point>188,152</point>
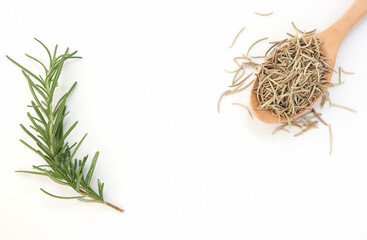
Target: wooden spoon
<point>332,38</point>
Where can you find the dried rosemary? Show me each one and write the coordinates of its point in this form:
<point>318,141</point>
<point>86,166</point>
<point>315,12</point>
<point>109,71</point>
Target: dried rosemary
<point>331,140</point>
<point>340,75</point>
<point>264,14</point>
<point>343,107</point>
<point>292,77</point>
<point>235,38</point>
<point>248,110</point>
<point>347,72</point>
<point>302,32</point>
<point>252,45</point>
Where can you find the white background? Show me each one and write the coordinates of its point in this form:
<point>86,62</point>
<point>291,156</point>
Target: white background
<point>148,85</point>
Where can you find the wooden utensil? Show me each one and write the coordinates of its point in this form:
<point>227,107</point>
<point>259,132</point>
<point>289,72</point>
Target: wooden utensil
<point>332,38</point>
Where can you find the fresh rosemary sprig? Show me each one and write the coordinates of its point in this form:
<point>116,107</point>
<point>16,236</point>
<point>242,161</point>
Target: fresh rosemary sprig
<point>50,137</point>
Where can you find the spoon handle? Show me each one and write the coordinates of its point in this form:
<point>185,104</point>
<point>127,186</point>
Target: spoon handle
<point>342,26</point>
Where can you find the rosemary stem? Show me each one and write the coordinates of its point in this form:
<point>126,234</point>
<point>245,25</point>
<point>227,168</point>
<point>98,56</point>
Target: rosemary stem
<point>49,106</point>
<point>114,207</point>
<point>104,202</point>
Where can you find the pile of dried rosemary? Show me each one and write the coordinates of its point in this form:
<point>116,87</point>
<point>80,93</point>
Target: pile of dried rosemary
<point>290,79</point>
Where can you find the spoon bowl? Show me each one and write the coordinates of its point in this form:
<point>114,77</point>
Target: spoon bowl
<point>332,38</point>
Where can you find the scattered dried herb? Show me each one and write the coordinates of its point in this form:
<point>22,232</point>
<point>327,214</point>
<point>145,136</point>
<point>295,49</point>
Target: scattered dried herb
<point>235,38</point>
<point>252,45</point>
<point>302,32</point>
<point>340,75</point>
<point>347,72</point>
<point>248,110</point>
<point>331,140</point>
<point>264,14</point>
<point>343,107</point>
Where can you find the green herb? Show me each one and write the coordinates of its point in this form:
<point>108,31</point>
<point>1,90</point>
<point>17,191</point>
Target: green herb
<point>50,136</point>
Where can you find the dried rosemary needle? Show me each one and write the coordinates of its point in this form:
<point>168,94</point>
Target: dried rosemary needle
<point>245,107</point>
<point>264,14</point>
<point>235,38</point>
<point>331,140</point>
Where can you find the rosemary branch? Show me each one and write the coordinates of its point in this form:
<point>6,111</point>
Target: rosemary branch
<point>50,137</point>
